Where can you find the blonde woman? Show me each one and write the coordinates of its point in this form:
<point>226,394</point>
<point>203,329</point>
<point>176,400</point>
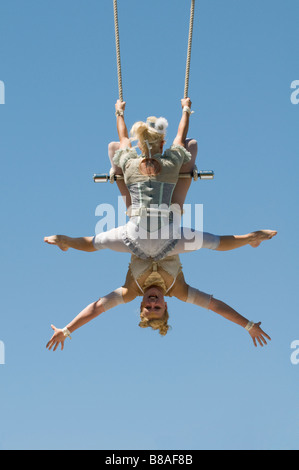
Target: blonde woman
<point>154,281</point>
<point>153,132</point>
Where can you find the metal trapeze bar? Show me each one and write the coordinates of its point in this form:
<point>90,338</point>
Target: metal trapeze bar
<point>195,175</point>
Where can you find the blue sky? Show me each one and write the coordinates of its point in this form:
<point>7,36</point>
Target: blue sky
<point>116,386</point>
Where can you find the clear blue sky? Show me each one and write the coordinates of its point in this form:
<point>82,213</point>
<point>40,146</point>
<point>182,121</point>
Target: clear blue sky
<point>117,386</point>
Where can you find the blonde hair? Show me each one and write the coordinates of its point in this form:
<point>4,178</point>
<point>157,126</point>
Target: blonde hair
<point>160,324</point>
<point>147,132</point>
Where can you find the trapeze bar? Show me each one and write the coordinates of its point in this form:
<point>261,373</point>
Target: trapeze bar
<point>203,175</point>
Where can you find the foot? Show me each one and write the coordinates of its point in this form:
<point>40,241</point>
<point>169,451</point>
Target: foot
<point>59,240</point>
<point>261,236</point>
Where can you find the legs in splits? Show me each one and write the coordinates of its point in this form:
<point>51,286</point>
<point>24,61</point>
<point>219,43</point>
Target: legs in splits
<point>113,240</point>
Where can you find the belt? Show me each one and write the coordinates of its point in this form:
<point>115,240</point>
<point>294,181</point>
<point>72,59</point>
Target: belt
<point>148,211</point>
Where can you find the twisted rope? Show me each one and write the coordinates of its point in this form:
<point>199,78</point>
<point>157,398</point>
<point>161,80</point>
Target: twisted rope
<point>117,44</point>
<point>120,88</point>
<point>189,49</point>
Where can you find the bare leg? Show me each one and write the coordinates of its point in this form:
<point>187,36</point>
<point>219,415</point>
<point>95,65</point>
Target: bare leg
<point>191,242</point>
<point>112,148</point>
<point>64,243</point>
<point>183,185</point>
<point>110,240</point>
<point>253,239</point>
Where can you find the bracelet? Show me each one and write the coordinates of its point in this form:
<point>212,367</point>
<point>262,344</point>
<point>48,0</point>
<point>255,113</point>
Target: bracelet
<point>249,325</point>
<point>66,333</point>
<point>187,110</point>
<point>119,112</point>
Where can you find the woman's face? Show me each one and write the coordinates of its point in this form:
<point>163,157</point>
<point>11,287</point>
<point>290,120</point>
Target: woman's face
<point>153,303</point>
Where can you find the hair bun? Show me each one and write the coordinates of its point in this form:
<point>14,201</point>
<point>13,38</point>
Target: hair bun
<point>161,125</point>
<point>158,125</point>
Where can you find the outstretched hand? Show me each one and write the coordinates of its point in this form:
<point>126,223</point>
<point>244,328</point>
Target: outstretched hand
<point>57,339</point>
<point>257,335</point>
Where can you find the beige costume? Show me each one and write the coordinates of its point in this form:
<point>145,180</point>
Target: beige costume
<point>151,232</point>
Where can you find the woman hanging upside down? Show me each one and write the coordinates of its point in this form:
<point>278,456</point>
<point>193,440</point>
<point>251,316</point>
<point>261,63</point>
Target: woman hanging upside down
<point>155,196</point>
<point>153,281</point>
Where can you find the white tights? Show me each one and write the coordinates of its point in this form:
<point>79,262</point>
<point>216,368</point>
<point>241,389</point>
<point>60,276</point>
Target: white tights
<point>190,241</point>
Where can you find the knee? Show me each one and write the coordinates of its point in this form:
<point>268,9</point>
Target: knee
<point>113,147</point>
<point>191,146</point>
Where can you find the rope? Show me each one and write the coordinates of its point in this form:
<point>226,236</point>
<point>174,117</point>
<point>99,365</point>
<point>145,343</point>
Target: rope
<point>120,89</point>
<point>117,44</point>
<point>189,49</point>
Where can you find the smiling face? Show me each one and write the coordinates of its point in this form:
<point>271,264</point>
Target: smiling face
<point>153,305</point>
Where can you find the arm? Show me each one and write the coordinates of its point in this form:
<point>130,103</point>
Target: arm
<point>121,125</point>
<point>188,294</point>
<point>91,312</point>
<point>184,124</point>
<point>256,333</point>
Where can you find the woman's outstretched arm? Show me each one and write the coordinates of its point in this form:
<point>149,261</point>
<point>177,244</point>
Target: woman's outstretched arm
<point>194,296</point>
<point>92,311</point>
<point>256,333</point>
<point>89,313</point>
